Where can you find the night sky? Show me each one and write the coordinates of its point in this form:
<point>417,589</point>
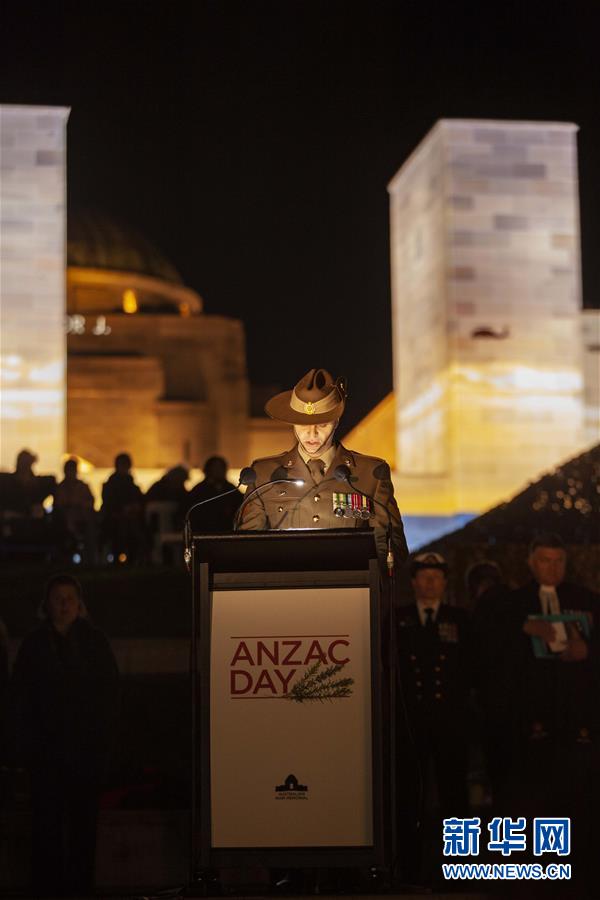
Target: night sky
<point>253,141</point>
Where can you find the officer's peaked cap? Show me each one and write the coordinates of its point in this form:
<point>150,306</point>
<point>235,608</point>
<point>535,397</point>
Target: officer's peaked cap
<point>428,560</point>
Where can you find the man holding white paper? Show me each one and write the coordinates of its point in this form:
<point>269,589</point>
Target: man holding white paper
<point>556,661</point>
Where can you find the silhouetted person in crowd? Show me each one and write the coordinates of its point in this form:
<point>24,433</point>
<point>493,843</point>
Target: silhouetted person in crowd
<point>490,624</point>
<point>122,512</point>
<point>171,489</point>
<point>23,492</point>
<point>219,515</point>
<point>74,509</point>
<point>481,577</point>
<point>64,697</point>
<point>166,505</point>
<point>435,674</point>
<point>4,675</point>
<point>27,529</point>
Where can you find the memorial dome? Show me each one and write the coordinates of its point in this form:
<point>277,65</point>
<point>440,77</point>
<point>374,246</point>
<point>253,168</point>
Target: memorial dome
<point>94,241</point>
<point>113,269</point>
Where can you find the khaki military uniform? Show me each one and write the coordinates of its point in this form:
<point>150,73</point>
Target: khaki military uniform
<point>327,503</point>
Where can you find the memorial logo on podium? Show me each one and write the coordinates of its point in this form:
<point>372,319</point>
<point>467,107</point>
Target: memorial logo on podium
<point>297,668</point>
<point>291,789</point>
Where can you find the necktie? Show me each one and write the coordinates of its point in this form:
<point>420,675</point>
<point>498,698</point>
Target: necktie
<point>316,467</point>
<point>429,623</point>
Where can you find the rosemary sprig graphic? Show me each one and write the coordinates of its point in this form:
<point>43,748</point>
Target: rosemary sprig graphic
<point>320,684</point>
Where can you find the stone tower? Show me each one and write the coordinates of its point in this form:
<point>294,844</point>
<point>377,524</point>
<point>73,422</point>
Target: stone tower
<point>32,283</point>
<point>486,311</point>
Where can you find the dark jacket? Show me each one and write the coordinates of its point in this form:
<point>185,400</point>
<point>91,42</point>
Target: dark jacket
<point>435,665</point>
<point>64,698</point>
<point>119,494</point>
<point>216,516</point>
<point>558,696</point>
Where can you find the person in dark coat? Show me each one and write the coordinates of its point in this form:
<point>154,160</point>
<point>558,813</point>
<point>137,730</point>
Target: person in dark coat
<point>4,678</point>
<point>170,488</point>
<point>22,492</point>
<point>74,512</point>
<point>64,699</point>
<point>434,661</point>
<point>123,512</point>
<point>490,628</point>
<point>220,515</point>
<point>435,656</point>
<point>553,686</point>
<point>555,694</point>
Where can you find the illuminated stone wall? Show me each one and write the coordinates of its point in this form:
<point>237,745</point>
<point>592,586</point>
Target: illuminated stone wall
<point>486,311</point>
<point>591,369</point>
<point>32,283</point>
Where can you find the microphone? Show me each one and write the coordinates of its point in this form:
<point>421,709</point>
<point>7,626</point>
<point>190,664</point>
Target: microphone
<point>280,473</point>
<point>279,476</point>
<point>342,473</point>
<point>247,477</point>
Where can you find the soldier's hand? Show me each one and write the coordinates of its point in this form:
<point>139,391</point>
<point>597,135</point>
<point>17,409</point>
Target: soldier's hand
<point>576,651</point>
<point>540,628</point>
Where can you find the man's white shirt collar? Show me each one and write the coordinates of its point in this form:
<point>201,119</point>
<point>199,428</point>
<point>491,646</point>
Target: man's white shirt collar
<point>422,605</point>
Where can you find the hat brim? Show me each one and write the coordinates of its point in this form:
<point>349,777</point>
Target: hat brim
<point>419,567</point>
<point>278,407</point>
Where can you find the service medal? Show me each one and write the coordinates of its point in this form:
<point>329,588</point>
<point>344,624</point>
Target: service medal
<point>352,506</point>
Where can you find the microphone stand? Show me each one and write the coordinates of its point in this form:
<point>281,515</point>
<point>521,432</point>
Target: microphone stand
<point>247,477</point>
<point>187,527</point>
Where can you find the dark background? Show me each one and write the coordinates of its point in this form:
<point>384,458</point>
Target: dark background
<point>253,141</point>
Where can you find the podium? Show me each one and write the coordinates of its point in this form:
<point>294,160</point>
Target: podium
<point>287,700</point>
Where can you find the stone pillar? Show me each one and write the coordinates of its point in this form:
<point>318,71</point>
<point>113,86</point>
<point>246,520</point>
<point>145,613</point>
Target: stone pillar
<point>32,283</point>
<point>591,368</point>
<point>486,309</point>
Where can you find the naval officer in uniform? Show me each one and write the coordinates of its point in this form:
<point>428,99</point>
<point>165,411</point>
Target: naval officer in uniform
<point>434,653</point>
<point>313,408</point>
<point>434,647</point>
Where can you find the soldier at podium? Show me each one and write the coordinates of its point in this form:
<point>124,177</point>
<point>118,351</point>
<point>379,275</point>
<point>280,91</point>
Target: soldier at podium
<point>329,472</point>
<point>329,497</point>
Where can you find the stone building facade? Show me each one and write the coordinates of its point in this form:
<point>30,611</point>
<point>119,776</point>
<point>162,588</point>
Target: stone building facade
<point>148,371</point>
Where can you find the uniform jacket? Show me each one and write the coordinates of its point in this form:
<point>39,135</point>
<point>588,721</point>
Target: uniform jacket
<point>435,666</point>
<point>286,506</point>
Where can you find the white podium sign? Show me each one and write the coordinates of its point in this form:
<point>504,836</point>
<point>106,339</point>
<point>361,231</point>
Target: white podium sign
<point>290,718</point>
